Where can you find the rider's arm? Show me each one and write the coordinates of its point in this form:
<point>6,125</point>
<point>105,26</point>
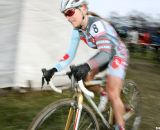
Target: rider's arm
<point>106,40</point>
<point>70,54</point>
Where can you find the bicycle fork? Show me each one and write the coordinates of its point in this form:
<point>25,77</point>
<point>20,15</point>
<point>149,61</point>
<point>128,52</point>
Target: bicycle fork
<point>78,113</point>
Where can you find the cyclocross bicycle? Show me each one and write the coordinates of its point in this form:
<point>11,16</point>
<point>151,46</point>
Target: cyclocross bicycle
<point>81,111</point>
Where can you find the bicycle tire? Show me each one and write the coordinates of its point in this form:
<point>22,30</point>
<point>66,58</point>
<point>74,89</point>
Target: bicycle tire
<point>50,118</point>
<point>132,99</point>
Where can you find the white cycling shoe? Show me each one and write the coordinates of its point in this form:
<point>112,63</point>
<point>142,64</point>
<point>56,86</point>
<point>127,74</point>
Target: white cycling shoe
<point>103,102</point>
<point>117,127</point>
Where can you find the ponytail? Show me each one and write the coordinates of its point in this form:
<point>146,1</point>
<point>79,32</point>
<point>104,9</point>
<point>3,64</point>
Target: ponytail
<point>96,15</point>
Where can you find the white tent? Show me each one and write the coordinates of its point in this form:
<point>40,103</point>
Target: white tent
<point>39,38</point>
<point>10,12</point>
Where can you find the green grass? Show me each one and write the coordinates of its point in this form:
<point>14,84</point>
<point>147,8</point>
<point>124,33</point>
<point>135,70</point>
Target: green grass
<point>17,110</point>
<point>147,76</point>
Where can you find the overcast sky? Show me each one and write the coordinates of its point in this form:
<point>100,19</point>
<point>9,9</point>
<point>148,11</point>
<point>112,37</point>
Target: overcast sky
<point>104,7</point>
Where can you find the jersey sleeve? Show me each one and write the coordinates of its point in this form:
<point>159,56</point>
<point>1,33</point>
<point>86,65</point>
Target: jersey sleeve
<point>70,54</point>
<point>105,37</point>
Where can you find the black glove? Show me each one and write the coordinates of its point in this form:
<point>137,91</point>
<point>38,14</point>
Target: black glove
<point>80,71</point>
<point>47,74</point>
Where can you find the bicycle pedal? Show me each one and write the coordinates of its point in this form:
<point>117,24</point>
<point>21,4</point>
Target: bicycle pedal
<point>128,108</point>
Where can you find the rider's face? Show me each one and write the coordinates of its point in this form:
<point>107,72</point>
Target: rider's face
<point>74,16</point>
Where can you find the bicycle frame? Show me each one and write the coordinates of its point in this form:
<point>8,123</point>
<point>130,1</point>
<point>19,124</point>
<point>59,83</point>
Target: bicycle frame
<point>80,93</point>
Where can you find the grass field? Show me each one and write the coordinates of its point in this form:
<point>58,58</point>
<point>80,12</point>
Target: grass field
<point>18,109</point>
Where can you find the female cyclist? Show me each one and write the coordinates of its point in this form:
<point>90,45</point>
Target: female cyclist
<point>97,33</point>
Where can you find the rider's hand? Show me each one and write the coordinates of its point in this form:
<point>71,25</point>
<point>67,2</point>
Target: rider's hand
<point>49,73</point>
<point>81,71</point>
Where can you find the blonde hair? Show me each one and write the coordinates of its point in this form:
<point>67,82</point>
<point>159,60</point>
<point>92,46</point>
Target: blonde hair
<point>96,15</point>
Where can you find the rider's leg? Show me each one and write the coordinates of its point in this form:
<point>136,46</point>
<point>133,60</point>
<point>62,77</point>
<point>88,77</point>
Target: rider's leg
<point>114,87</point>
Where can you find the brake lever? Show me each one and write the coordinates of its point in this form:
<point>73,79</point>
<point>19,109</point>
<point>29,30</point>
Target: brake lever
<point>43,81</point>
<point>43,78</point>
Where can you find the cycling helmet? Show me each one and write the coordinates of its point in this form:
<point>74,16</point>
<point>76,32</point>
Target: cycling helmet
<point>66,4</point>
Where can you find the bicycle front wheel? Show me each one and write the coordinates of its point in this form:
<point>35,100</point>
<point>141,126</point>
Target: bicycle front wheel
<point>55,116</point>
<point>132,101</point>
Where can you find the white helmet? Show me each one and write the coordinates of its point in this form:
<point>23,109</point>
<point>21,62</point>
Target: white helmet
<point>66,4</point>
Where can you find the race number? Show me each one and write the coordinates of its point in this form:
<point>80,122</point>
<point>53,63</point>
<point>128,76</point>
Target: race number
<point>97,28</point>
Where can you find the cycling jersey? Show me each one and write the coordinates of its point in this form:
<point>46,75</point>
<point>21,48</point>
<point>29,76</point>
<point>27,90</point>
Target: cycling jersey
<point>100,35</point>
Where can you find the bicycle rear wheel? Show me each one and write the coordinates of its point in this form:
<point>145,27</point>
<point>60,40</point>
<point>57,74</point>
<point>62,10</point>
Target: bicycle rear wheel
<point>54,117</point>
<point>132,101</point>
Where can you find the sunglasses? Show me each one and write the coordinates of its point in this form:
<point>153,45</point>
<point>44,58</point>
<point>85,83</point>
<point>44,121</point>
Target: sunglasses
<point>69,12</point>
